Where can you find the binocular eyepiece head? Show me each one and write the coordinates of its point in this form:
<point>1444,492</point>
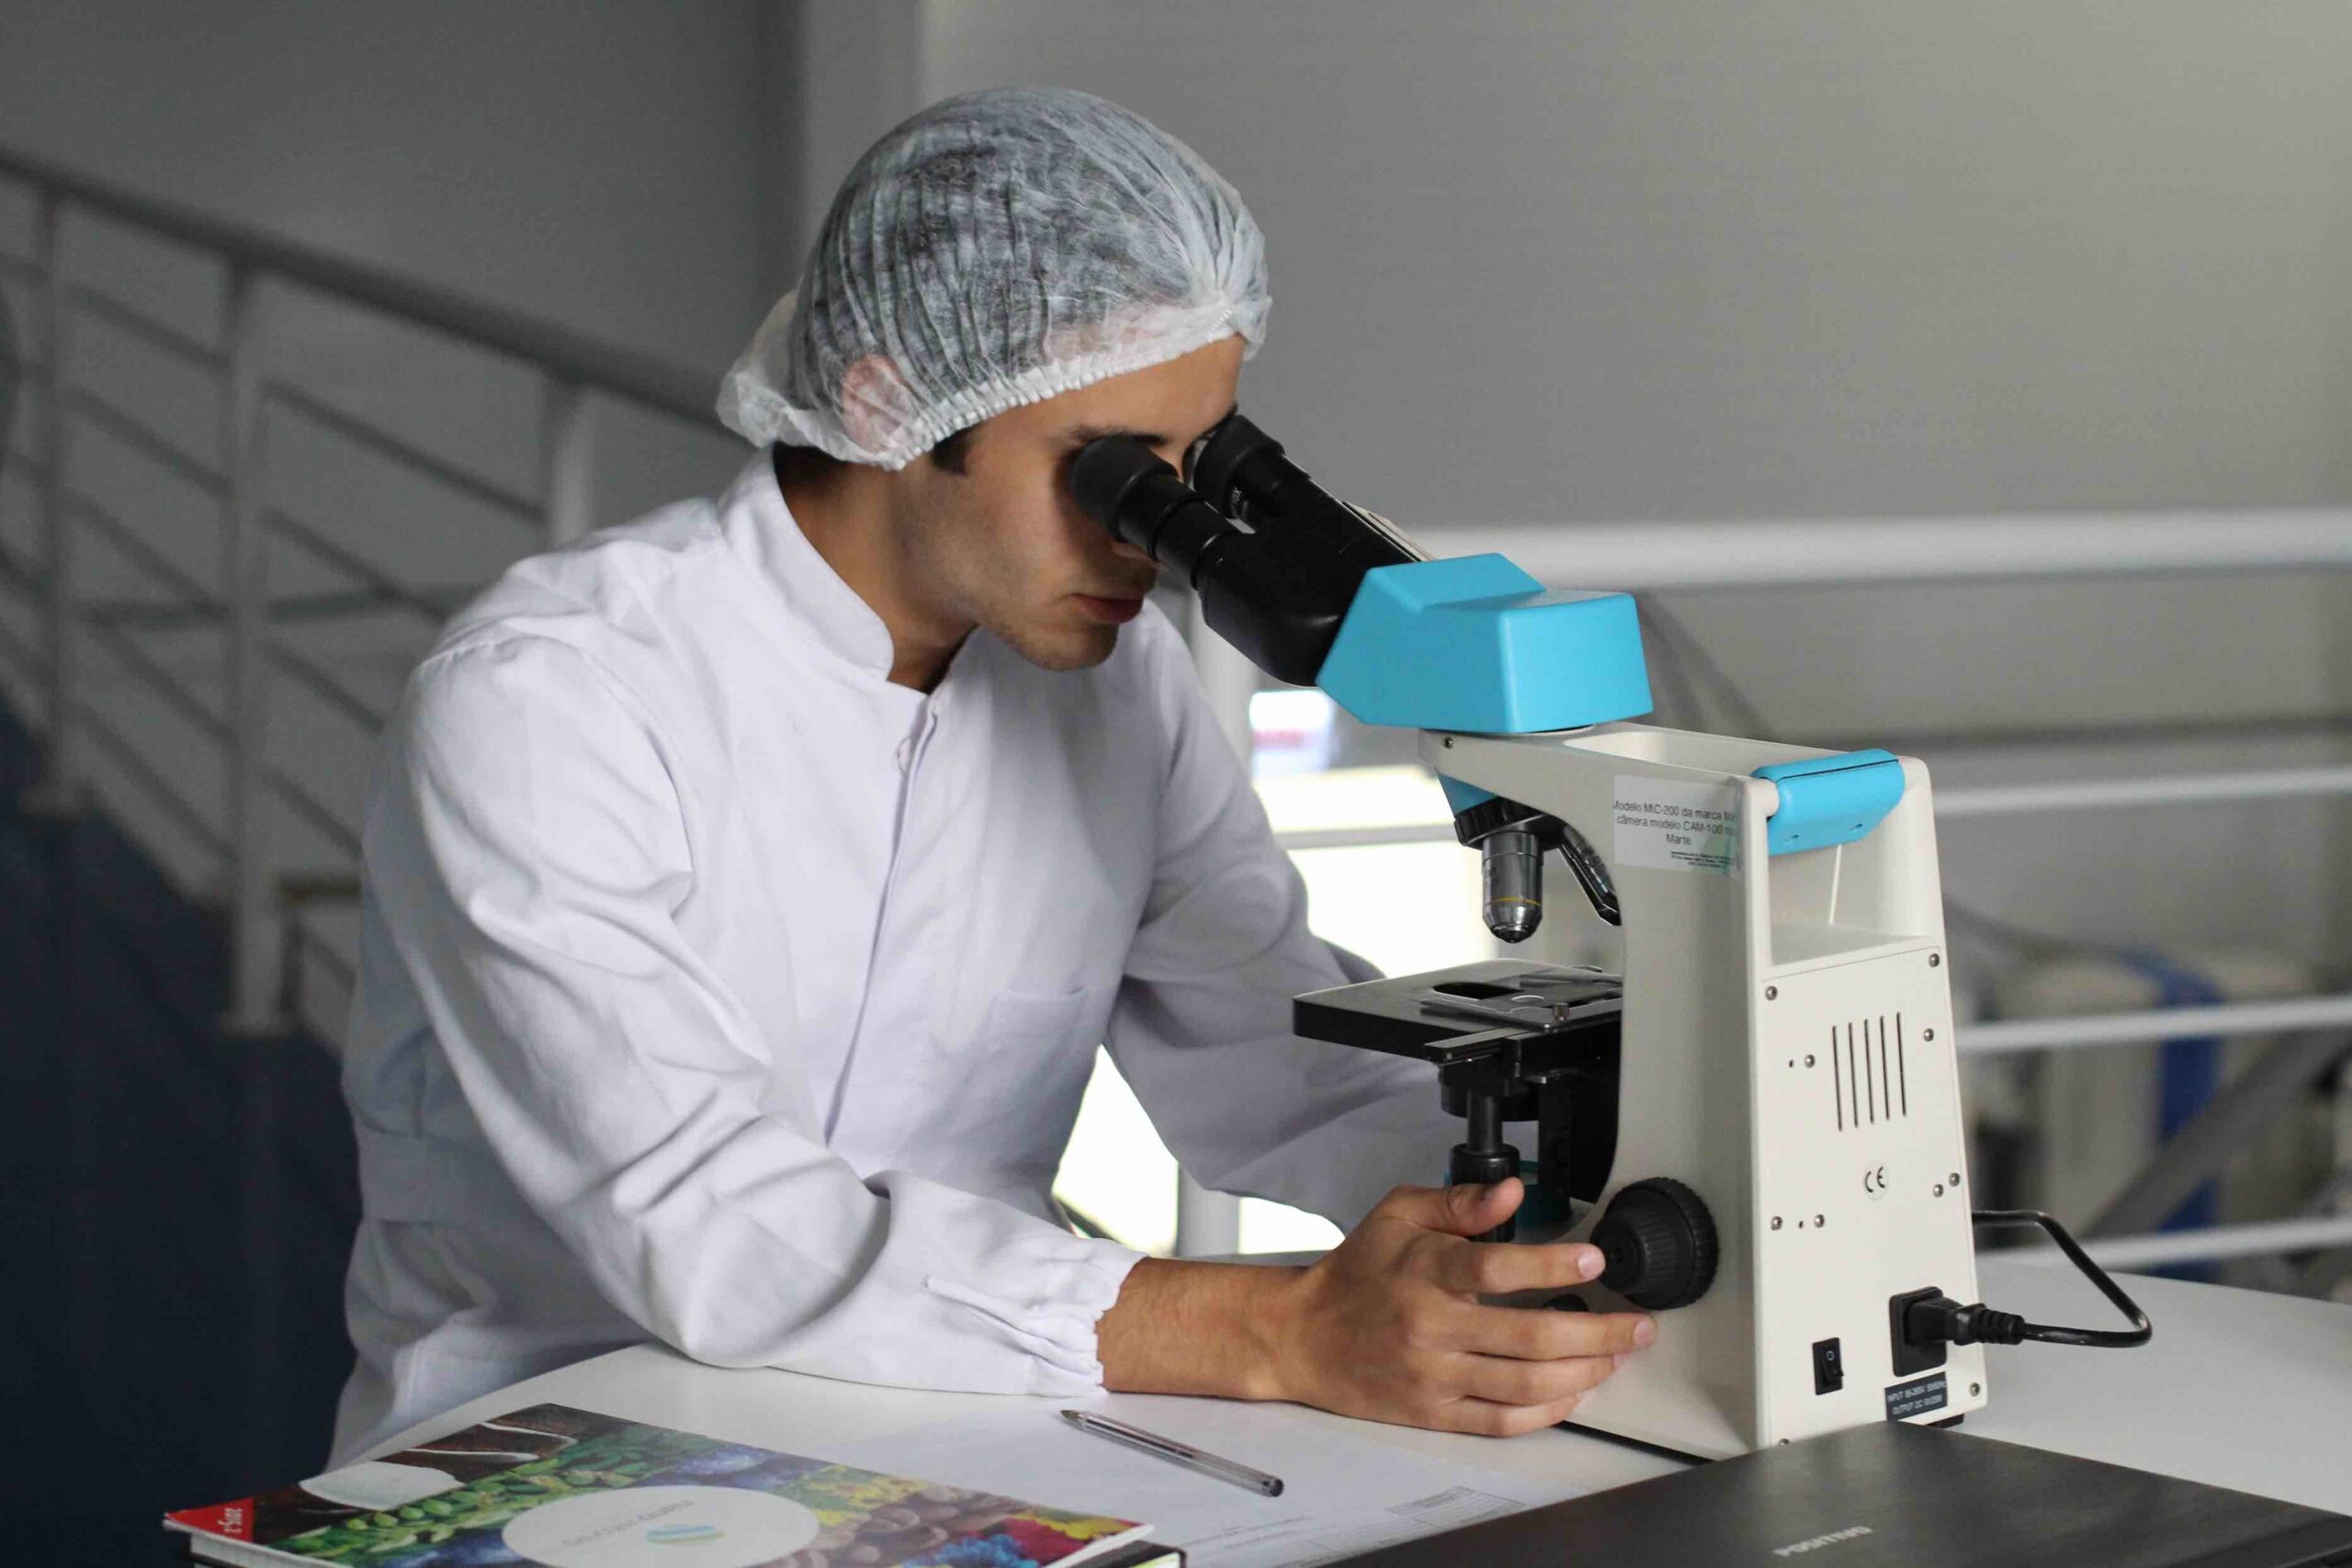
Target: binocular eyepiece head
<point>1125,486</point>
<point>1275,558</point>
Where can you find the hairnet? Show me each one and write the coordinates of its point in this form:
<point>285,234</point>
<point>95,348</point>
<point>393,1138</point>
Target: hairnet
<point>995,250</point>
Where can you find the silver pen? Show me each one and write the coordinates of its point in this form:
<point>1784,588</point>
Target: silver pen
<point>1181,1453</point>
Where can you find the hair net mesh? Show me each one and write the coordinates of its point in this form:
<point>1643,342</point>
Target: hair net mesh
<point>995,250</point>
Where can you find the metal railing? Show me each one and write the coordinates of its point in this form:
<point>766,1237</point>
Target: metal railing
<point>1845,551</point>
<point>271,951</point>
<point>255,408</point>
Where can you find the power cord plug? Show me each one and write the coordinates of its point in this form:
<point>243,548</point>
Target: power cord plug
<point>1938,1319</point>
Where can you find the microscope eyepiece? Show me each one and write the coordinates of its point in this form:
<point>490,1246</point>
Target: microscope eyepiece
<point>1123,485</point>
<point>1105,470</point>
<point>1216,459</point>
<point>1245,474</point>
<point>1278,594</point>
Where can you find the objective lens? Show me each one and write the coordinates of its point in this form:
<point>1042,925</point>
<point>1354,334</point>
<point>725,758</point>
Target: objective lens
<point>1514,875</point>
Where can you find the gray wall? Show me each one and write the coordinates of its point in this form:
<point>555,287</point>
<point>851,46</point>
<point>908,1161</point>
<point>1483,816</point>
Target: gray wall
<point>600,164</point>
<point>1537,260</point>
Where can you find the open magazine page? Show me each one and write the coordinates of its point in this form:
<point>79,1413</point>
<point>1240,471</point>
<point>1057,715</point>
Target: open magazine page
<point>578,1489</point>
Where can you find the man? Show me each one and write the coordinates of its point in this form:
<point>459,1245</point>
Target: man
<point>748,887</point>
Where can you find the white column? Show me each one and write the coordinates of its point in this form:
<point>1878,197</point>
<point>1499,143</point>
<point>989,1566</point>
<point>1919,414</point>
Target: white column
<point>255,914</point>
<point>60,782</point>
<point>567,461</point>
<point>1208,1224</point>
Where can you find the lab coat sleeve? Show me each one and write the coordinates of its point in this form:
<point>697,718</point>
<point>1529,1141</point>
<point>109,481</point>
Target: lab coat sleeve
<point>1202,1028</point>
<point>529,851</point>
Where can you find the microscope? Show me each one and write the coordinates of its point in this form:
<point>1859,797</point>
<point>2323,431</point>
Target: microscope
<point>1756,1114</point>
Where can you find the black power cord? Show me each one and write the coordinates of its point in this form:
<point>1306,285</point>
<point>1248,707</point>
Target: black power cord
<point>1942,1319</point>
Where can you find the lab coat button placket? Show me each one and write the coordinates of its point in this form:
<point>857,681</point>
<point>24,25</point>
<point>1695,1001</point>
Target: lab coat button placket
<point>912,747</point>
<point>888,938</point>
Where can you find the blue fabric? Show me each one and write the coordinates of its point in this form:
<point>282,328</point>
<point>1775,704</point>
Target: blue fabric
<point>2188,1074</point>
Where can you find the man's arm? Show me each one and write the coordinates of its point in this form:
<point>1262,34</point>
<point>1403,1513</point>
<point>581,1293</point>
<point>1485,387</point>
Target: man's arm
<point>1202,1029</point>
<point>527,850</point>
<point>1388,1325</point>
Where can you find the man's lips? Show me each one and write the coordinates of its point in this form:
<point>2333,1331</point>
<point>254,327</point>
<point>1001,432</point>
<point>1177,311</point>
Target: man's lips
<point>1110,612</point>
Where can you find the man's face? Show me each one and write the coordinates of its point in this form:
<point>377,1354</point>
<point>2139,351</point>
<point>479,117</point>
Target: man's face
<point>1003,544</point>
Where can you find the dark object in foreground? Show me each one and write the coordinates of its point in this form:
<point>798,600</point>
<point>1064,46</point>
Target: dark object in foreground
<point>1895,1494</point>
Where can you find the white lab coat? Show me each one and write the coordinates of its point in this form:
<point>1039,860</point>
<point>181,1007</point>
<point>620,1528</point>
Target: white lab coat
<point>715,990</point>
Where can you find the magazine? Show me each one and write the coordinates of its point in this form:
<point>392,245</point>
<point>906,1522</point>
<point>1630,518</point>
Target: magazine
<point>574,1489</point>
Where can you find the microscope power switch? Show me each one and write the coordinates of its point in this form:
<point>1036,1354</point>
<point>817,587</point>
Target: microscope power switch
<point>1828,1367</point>
<point>1659,1242</point>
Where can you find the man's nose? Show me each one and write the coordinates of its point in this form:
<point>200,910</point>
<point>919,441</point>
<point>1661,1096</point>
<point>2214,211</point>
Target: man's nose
<point>1126,551</point>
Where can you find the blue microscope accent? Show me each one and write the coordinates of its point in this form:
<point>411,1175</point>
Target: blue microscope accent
<point>1460,797</point>
<point>1476,645</point>
<point>1830,800</point>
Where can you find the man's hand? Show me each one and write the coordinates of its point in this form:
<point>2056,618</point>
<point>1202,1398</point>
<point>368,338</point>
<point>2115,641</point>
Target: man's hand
<point>1387,1327</point>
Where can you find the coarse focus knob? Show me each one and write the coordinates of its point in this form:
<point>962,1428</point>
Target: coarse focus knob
<point>1659,1242</point>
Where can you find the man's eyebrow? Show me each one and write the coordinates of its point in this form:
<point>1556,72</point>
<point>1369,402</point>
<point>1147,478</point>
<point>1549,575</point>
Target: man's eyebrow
<point>1084,433</point>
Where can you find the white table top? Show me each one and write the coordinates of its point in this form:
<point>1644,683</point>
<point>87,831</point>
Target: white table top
<point>2238,1389</point>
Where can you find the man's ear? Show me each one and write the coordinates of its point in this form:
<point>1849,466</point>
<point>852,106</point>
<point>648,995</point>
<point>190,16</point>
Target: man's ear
<point>876,405</point>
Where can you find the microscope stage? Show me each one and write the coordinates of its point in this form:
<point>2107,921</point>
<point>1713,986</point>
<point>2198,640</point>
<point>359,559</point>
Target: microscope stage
<point>1462,1014</point>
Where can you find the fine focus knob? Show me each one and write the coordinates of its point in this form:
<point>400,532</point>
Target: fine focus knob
<point>1659,1242</point>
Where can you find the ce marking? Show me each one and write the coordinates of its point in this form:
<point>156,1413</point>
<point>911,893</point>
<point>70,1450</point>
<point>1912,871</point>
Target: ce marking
<point>1874,1181</point>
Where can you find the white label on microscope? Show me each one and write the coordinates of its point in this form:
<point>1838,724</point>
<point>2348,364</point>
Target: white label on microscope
<point>1675,826</point>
